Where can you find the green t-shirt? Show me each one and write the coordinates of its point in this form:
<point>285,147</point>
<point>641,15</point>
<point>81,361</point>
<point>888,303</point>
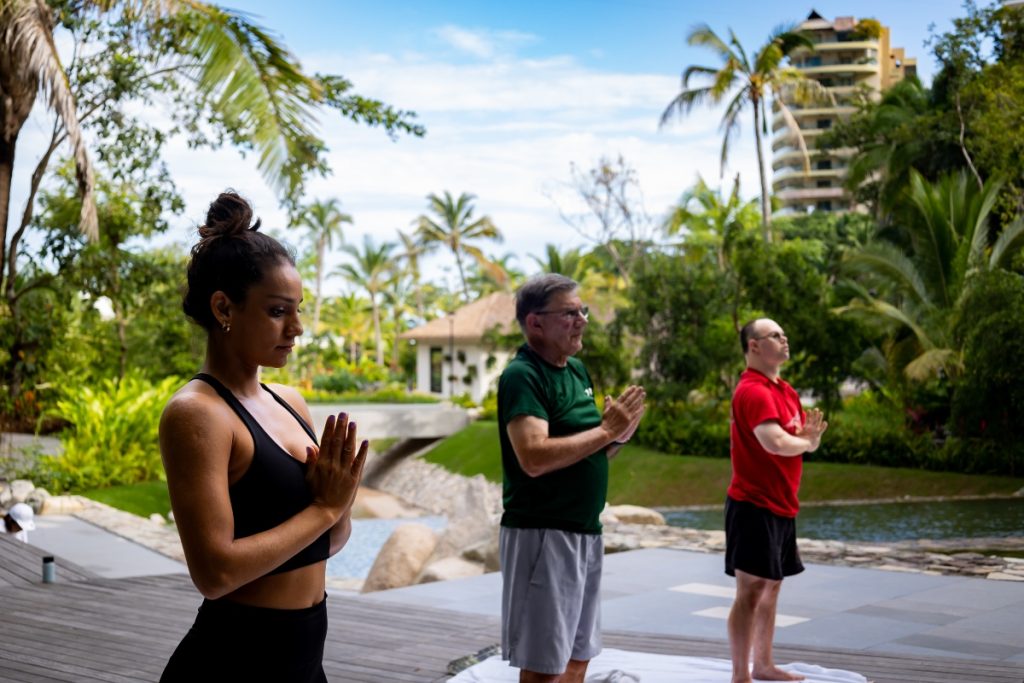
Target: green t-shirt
<point>572,498</point>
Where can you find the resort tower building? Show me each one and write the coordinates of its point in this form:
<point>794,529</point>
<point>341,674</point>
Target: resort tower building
<point>852,59</point>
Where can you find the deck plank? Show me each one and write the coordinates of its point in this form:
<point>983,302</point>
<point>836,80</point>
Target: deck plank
<point>120,630</point>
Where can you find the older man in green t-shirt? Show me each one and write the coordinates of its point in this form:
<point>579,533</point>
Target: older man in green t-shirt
<point>555,446</point>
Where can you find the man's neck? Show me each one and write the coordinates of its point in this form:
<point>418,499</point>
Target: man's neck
<point>769,371</point>
<point>552,357</point>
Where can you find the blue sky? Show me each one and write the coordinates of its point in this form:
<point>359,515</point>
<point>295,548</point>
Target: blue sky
<point>511,95</point>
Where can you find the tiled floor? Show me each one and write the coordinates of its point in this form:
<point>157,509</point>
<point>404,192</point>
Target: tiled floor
<point>683,593</point>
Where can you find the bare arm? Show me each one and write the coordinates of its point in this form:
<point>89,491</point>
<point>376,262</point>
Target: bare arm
<point>196,449</point>
<point>539,453</point>
<point>774,439</point>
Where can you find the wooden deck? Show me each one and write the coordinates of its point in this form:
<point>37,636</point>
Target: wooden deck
<point>21,564</point>
<point>123,630</point>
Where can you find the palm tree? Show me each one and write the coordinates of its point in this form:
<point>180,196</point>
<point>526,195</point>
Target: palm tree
<point>570,263</point>
<point>749,84</point>
<point>711,221</point>
<point>252,80</point>
<point>397,297</point>
<point>455,229</point>
<point>410,256</point>
<point>371,268</point>
<point>918,290</point>
<point>349,316</point>
<point>323,220</point>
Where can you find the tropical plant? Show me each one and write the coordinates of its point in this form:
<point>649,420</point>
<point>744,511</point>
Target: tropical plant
<point>749,84</point>
<point>913,288</point>
<point>323,221</point>
<point>711,221</point>
<point>454,227</point>
<point>113,435</point>
<point>370,270</point>
<point>349,316</point>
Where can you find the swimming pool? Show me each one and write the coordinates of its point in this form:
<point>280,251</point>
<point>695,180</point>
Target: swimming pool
<point>368,535</point>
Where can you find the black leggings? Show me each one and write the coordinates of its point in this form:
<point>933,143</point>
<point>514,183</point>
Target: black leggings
<point>234,642</point>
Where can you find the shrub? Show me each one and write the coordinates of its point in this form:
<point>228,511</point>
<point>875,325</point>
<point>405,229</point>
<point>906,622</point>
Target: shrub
<point>870,431</point>
<point>686,427</point>
<point>113,436</point>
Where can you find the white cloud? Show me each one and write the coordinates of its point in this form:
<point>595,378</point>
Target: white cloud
<point>482,43</point>
<point>503,128</point>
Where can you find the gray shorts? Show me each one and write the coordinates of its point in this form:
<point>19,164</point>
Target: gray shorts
<point>550,599</point>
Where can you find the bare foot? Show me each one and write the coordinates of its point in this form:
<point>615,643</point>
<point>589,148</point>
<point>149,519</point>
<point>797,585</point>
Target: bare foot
<point>774,673</point>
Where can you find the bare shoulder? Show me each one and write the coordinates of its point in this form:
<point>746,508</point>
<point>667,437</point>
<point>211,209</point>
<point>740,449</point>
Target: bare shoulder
<point>293,398</point>
<point>192,402</point>
<point>194,420</point>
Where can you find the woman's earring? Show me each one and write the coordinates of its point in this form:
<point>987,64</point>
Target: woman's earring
<point>226,326</point>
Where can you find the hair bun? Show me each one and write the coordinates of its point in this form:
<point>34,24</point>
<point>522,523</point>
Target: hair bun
<point>229,214</point>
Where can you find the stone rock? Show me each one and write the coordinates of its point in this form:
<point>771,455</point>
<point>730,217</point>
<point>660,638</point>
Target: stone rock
<point>372,504</point>
<point>607,517</point>
<point>61,505</point>
<point>36,499</point>
<point>1002,576</point>
<point>6,496</point>
<point>20,490</point>
<point>485,552</point>
<point>634,514</point>
<point>401,558</point>
<point>450,568</point>
<point>157,518</point>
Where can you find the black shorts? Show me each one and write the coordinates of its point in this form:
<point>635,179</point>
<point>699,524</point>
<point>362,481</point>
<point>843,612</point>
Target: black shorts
<point>234,642</point>
<point>759,542</point>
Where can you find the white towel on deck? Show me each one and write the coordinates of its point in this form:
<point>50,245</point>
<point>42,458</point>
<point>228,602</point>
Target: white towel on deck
<point>621,666</point>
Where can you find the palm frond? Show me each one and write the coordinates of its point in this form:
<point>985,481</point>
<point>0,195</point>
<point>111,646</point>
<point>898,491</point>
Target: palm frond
<point>31,41</point>
<point>931,362</point>
<point>1008,244</point>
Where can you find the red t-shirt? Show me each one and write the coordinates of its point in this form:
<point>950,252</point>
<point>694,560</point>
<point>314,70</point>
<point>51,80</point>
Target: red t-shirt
<point>764,479</point>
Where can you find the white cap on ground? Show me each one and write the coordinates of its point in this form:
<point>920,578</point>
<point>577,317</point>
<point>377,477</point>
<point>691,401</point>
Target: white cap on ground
<point>23,515</point>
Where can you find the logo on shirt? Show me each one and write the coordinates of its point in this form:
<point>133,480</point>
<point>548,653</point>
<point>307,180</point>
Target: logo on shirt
<point>589,391</point>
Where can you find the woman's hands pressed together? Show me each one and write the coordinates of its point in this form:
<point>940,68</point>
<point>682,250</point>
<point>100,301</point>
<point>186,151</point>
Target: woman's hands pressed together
<point>335,469</point>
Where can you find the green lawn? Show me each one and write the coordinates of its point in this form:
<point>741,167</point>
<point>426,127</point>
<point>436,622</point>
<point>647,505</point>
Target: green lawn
<point>141,499</point>
<point>642,476</point>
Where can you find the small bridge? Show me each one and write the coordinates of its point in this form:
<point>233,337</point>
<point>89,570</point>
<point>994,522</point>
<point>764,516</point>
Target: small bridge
<point>395,420</point>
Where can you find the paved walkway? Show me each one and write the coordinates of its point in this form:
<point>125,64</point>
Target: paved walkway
<point>681,593</point>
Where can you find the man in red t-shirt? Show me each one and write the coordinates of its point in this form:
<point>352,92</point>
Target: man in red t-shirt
<point>770,433</point>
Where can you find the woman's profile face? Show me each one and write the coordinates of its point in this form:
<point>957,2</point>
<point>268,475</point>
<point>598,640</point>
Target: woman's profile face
<point>265,327</point>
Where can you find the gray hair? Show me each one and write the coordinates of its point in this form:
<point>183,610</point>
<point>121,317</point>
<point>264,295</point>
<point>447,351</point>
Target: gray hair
<point>535,293</point>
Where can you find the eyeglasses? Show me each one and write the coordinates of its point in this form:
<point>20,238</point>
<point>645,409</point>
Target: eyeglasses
<point>569,314</point>
<point>777,336</point>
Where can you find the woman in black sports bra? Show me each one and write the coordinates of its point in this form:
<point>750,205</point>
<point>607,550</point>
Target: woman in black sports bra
<point>259,505</point>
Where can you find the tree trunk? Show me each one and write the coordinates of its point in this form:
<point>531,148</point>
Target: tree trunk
<point>6,175</point>
<point>766,213</point>
<point>462,275</point>
<point>376,330</point>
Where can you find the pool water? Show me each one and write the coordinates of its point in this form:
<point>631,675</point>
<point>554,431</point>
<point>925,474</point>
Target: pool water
<point>989,518</point>
<point>368,535</point>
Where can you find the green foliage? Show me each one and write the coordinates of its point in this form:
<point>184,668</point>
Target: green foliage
<point>394,392</point>
<point>871,431</point>
<point>867,29</point>
<point>696,427</point>
<point>113,434</point>
<point>988,400</point>
<point>684,316</point>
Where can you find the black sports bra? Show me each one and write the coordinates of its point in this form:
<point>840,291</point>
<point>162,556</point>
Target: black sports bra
<point>273,488</point>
